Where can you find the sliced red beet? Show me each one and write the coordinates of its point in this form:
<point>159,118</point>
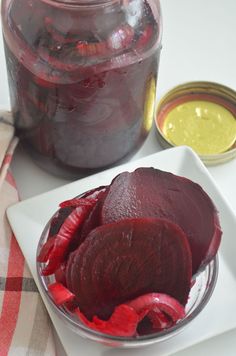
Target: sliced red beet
<point>149,192</point>
<point>93,219</point>
<point>123,322</point>
<point>46,250</point>
<point>60,274</point>
<point>70,262</point>
<point>58,220</point>
<point>71,305</point>
<point>56,248</point>
<point>68,206</point>
<point>94,193</point>
<point>64,237</point>
<point>73,203</point>
<point>60,294</point>
<point>121,261</point>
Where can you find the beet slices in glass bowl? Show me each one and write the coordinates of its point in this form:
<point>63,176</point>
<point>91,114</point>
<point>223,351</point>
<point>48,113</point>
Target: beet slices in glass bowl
<point>148,192</point>
<point>122,258</point>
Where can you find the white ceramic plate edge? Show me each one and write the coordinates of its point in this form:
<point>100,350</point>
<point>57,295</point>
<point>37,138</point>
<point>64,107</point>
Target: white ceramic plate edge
<point>17,212</point>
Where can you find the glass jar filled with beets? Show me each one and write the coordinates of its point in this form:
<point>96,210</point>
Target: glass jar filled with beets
<point>82,77</point>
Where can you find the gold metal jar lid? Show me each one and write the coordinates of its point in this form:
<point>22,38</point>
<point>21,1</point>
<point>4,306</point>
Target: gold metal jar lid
<point>201,115</point>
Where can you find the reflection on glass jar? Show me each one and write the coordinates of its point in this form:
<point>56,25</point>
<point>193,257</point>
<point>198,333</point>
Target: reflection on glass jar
<point>82,78</point>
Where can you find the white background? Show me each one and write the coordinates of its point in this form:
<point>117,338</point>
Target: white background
<point>199,43</point>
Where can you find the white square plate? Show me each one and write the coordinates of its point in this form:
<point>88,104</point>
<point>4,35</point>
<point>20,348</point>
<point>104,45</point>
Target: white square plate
<point>29,217</point>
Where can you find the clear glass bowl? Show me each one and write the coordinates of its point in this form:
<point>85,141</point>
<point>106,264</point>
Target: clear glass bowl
<point>203,286</point>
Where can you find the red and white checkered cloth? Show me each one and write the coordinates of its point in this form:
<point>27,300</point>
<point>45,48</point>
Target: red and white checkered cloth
<point>25,328</point>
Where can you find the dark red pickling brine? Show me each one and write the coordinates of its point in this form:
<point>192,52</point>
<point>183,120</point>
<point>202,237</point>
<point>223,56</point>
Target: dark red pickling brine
<point>80,79</point>
<point>148,192</point>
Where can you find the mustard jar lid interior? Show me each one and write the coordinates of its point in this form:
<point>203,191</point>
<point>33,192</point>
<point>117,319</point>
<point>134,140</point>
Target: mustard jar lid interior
<point>200,115</point>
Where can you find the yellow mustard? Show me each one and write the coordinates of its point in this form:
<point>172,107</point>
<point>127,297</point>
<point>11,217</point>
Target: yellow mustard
<point>205,126</point>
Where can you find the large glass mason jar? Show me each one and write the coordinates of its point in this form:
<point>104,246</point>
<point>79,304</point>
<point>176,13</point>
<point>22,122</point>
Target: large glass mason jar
<point>82,77</point>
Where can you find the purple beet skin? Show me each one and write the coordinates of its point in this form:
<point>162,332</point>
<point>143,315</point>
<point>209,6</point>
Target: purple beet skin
<point>148,192</point>
<point>121,261</point>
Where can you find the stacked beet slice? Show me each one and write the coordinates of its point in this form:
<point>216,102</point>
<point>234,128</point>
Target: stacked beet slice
<point>148,192</point>
<point>128,251</point>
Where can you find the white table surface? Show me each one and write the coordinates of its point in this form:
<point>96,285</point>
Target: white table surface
<point>199,43</point>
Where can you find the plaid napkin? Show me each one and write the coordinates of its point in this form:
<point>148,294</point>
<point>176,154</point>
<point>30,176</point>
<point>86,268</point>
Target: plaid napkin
<point>24,324</point>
